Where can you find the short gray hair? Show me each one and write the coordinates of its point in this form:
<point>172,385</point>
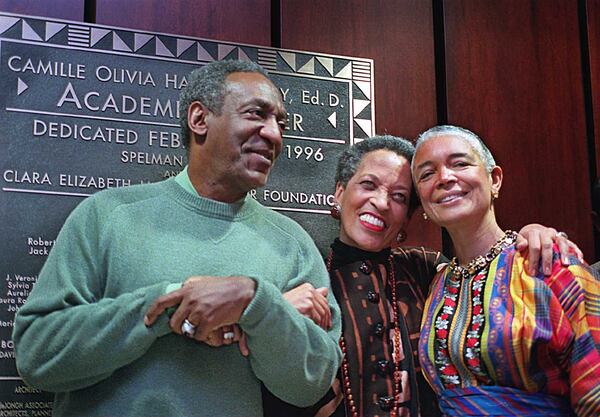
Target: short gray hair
<point>449,130</point>
<point>207,85</point>
<point>351,158</point>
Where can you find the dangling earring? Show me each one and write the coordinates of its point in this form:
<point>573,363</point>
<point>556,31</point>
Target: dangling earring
<point>495,195</point>
<point>401,236</point>
<point>336,211</point>
<point>425,216</point>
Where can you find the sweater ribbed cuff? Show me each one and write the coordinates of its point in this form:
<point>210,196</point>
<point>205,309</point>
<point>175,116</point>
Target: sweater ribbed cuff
<point>260,304</point>
<point>161,325</point>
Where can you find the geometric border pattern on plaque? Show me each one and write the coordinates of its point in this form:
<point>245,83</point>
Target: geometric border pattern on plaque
<point>196,50</point>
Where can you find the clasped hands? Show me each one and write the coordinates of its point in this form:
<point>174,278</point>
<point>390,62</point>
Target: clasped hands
<point>215,304</point>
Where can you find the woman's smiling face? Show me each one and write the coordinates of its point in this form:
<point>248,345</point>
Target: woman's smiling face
<point>375,201</point>
<point>452,181</point>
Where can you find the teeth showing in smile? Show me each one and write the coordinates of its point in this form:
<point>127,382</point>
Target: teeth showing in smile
<point>372,220</point>
<point>451,197</point>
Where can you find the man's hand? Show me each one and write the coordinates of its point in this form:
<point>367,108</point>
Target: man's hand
<point>206,302</point>
<point>311,302</point>
<point>308,300</point>
<point>538,240</point>
<point>227,335</point>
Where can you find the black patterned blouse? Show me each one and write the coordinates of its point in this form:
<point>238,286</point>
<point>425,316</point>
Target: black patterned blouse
<point>359,280</point>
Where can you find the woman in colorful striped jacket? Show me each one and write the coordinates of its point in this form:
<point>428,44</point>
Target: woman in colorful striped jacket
<point>496,340</point>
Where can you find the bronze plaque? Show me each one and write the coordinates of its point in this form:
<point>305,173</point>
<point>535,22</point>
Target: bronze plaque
<point>87,107</point>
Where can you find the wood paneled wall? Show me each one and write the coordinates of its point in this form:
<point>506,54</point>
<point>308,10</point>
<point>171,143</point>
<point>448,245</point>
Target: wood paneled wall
<point>510,70</point>
<point>593,33</point>
<point>514,76</point>
<point>59,9</point>
<point>229,20</point>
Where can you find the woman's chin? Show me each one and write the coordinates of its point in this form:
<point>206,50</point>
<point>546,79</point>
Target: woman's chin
<point>372,246</point>
<point>366,240</point>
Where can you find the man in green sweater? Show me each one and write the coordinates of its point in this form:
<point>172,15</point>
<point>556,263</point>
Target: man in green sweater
<point>141,277</point>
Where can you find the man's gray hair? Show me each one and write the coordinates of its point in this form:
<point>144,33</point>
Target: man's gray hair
<point>351,158</point>
<point>207,85</point>
<point>449,130</point>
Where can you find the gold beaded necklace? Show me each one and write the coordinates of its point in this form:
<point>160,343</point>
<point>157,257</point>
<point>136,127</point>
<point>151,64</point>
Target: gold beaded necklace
<point>482,261</point>
<point>347,389</point>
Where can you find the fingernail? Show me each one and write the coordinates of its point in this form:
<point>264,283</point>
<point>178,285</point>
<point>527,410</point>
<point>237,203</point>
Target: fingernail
<point>146,321</point>
<point>546,270</point>
<point>565,260</point>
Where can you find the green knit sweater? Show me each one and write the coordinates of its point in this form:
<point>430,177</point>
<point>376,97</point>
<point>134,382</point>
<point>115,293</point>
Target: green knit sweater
<point>81,333</point>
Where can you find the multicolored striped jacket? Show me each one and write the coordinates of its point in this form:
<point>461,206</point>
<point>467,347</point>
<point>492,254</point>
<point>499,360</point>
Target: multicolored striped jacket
<point>535,339</point>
